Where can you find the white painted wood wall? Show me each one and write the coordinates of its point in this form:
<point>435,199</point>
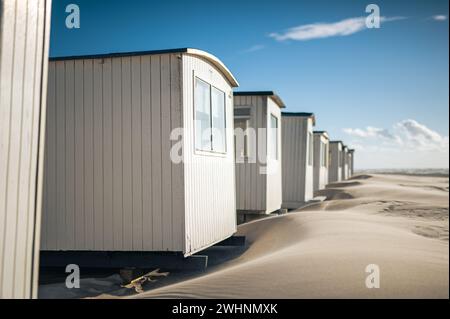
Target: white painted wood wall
<point>256,190</point>
<point>24,34</point>
<point>344,162</point>
<point>320,171</point>
<point>274,169</point>
<point>110,184</point>
<point>297,171</point>
<point>335,169</point>
<point>351,165</point>
<point>209,180</point>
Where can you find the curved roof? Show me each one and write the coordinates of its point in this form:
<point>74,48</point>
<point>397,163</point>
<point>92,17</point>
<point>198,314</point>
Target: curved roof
<point>217,63</point>
<point>196,52</point>
<point>270,94</point>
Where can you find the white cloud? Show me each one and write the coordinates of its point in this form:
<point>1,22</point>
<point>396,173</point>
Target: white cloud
<point>371,131</point>
<point>254,48</point>
<point>419,136</point>
<point>324,30</point>
<point>407,135</point>
<point>439,17</point>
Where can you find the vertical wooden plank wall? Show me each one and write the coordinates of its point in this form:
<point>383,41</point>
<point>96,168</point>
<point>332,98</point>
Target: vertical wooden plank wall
<point>24,34</point>
<point>297,173</point>
<point>209,179</point>
<point>251,185</point>
<point>109,182</point>
<point>335,169</point>
<point>274,177</point>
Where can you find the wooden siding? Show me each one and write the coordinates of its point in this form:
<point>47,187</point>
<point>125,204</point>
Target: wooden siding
<point>335,169</point>
<point>344,161</point>
<point>109,182</point>
<point>274,171</point>
<point>320,171</point>
<point>209,183</point>
<point>297,173</point>
<point>251,185</point>
<point>24,34</point>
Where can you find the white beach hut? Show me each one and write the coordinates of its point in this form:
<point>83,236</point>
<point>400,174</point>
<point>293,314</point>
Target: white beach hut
<point>344,162</point>
<point>24,35</point>
<point>335,168</point>
<point>298,158</point>
<point>351,164</point>
<point>258,152</point>
<point>139,154</point>
<point>321,154</point>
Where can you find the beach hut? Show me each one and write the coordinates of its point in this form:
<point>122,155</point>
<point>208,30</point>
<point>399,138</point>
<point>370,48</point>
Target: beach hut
<point>258,152</point>
<point>24,37</point>
<point>344,161</point>
<point>321,154</point>
<point>335,168</point>
<point>139,154</point>
<point>351,164</point>
<point>298,158</point>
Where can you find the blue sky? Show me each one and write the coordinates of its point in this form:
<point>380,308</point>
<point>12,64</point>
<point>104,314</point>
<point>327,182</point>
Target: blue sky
<point>383,91</point>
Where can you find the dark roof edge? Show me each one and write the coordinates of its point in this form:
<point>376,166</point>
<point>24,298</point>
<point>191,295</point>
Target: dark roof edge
<point>196,52</point>
<point>118,54</point>
<point>324,133</point>
<point>270,94</point>
<point>300,114</point>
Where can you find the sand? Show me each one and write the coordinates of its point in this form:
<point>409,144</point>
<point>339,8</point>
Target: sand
<point>399,223</point>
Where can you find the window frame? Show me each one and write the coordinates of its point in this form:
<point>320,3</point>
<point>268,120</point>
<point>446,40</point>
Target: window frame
<point>211,152</point>
<point>246,146</point>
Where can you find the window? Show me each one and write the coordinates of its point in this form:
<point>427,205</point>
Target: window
<point>218,120</point>
<point>273,137</point>
<point>241,138</point>
<point>209,105</point>
<point>310,149</point>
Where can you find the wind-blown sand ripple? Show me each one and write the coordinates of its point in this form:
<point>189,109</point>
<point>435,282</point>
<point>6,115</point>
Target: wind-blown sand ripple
<point>399,223</point>
<point>322,253</point>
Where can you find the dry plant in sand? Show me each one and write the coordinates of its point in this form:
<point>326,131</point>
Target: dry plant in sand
<point>138,282</point>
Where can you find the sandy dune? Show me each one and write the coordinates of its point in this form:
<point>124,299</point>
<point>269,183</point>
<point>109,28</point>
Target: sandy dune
<point>399,223</point>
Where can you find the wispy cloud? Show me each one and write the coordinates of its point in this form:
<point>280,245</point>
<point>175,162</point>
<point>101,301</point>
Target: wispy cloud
<point>439,17</point>
<point>405,135</point>
<point>325,30</point>
<point>370,131</point>
<point>254,48</point>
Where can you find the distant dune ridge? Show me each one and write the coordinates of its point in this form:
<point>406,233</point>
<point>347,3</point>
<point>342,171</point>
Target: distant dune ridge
<point>397,222</point>
<point>432,172</point>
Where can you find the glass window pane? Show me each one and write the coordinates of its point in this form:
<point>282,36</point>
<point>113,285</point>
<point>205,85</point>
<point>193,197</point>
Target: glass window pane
<point>202,116</point>
<point>218,121</point>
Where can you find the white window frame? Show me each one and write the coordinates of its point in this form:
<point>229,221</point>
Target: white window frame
<point>211,152</point>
